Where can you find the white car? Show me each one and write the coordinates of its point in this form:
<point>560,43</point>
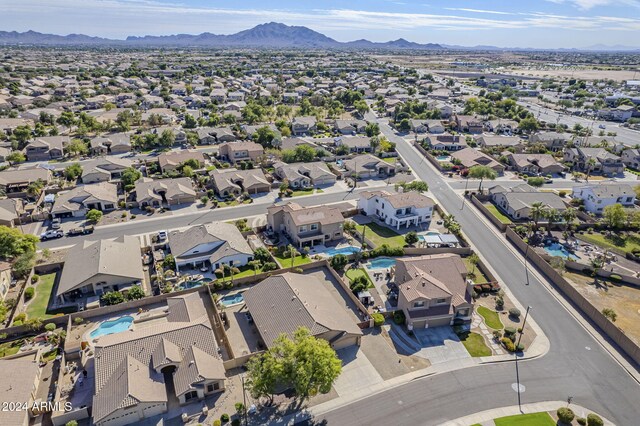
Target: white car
<point>162,235</point>
<point>51,234</point>
<point>56,222</point>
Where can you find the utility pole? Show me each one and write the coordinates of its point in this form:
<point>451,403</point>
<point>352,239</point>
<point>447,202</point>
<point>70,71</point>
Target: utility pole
<point>244,398</point>
<point>524,322</point>
<point>464,195</point>
<point>526,268</point>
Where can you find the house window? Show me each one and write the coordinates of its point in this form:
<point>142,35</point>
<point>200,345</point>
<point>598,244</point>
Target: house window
<point>303,228</point>
<point>399,211</point>
<point>440,301</point>
<point>213,387</point>
<point>419,304</point>
<point>314,227</point>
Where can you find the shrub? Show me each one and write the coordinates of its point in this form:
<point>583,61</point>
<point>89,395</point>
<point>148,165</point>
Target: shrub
<point>71,423</point>
<point>499,303</point>
<point>338,262</point>
<point>615,278</point>
<point>269,266</point>
<point>497,334</point>
<point>514,312</point>
<point>78,320</point>
<point>581,421</point>
<point>594,420</point>
<point>29,292</point>
<point>358,284</point>
<point>35,278</point>
<point>217,422</point>
<point>508,344</point>
<point>298,270</point>
<point>378,319</point>
<point>398,317</point>
<point>20,317</point>
<point>562,193</point>
<point>509,332</point>
<point>235,422</point>
<point>224,418</point>
<point>239,407</point>
<point>519,347</point>
<point>565,415</point>
<point>17,323</point>
<point>610,314</point>
<point>50,327</point>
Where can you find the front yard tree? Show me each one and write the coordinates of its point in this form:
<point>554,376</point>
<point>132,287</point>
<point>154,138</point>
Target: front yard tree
<point>94,216</point>
<point>614,216</point>
<point>474,260</point>
<point>14,243</point>
<point>15,157</point>
<point>76,147</point>
<point>73,171</point>
<point>482,173</point>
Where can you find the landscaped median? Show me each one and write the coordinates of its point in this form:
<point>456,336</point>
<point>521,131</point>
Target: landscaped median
<point>548,413</point>
<point>491,318</point>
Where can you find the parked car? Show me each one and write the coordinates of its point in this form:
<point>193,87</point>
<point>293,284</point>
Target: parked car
<point>56,223</point>
<point>51,234</point>
<point>162,235</point>
<point>602,126</point>
<point>80,231</point>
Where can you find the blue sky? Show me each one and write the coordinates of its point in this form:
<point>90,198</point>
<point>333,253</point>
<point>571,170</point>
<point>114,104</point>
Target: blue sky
<point>505,23</point>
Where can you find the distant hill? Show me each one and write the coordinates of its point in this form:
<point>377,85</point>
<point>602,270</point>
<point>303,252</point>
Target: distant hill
<point>270,35</point>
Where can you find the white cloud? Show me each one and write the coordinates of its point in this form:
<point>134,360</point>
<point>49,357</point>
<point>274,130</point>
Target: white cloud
<point>590,4</point>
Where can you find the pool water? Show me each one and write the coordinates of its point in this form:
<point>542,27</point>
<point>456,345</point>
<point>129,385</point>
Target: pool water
<point>421,237</point>
<point>381,263</point>
<point>559,250</point>
<point>344,250</point>
<point>232,299</point>
<point>112,327</point>
<point>443,158</point>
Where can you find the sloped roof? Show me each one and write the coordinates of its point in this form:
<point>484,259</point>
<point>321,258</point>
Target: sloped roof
<point>227,234</point>
<point>324,215</point>
<point>81,195</point>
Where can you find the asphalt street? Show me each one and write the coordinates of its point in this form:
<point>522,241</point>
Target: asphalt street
<point>575,366</point>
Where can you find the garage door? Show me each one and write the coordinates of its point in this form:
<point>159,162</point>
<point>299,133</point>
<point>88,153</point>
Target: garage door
<point>345,342</point>
<point>419,323</point>
<point>438,322</point>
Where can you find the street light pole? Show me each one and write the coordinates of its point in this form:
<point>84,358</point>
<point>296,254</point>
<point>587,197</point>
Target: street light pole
<point>244,398</point>
<point>464,195</point>
<point>523,324</point>
<point>526,268</point>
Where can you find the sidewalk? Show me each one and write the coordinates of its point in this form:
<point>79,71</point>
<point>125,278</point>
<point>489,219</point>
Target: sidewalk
<point>486,417</point>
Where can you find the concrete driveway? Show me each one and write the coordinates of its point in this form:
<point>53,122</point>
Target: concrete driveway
<point>357,372</point>
<point>440,344</point>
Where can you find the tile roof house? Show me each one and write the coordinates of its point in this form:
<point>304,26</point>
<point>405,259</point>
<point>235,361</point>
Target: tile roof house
<point>17,180</point>
<point>553,141</point>
<point>20,382</point>
<point>303,125</point>
<point>156,193</point>
<point>104,169</point>
<point>534,163</point>
<point>211,244</point>
<point>447,142</point>
<point>356,144</point>
<point>235,182</point>
<point>46,148</point>
<point>306,226</point>
<point>214,135</point>
<point>604,161</point>
<point>433,290</point>
<point>631,158</point>
<point>169,161</point>
<point>304,175</point>
<point>517,201</point>
<point>398,209</point>
<point>348,127</point>
<point>470,157</point>
<point>115,143</point>
<point>282,303</point>
<point>77,202</point>
<point>10,211</point>
<point>468,124</point>
<point>95,267</point>
<point>598,196</point>
<point>240,151</point>
<point>486,141</point>
<point>367,166</point>
<point>131,368</point>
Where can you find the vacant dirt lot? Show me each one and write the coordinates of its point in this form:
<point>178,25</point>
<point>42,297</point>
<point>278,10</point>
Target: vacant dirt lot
<point>624,300</point>
<point>584,74</point>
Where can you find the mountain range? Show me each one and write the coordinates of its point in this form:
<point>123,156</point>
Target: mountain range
<point>269,35</point>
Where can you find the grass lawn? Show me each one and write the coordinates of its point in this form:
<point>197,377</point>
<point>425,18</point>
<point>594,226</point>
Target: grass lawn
<point>533,419</point>
<point>354,273</point>
<point>491,318</point>
<point>245,271</point>
<point>479,277</point>
<point>498,214</point>
<point>10,348</point>
<point>620,244</point>
<point>379,235</point>
<point>37,307</point>
<point>51,355</point>
<point>301,192</point>
<point>227,203</point>
<point>474,343</point>
<point>285,262</point>
<point>390,160</point>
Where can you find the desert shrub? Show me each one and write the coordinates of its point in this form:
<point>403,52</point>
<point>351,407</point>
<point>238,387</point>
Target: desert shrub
<point>224,418</point>
<point>562,193</point>
<point>398,317</point>
<point>29,292</point>
<point>520,347</point>
<point>497,334</point>
<point>565,415</point>
<point>581,421</point>
<point>35,278</point>
<point>594,420</point>
<point>378,319</point>
<point>269,266</point>
<point>509,332</point>
<point>78,320</point>
<point>20,317</point>
<point>217,422</point>
<point>17,323</point>
<point>508,344</point>
<point>514,312</point>
<point>298,270</point>
<point>615,278</point>
<point>499,303</point>
<point>50,327</point>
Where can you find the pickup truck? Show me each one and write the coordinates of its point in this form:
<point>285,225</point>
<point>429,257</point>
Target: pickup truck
<point>80,231</point>
<point>51,234</point>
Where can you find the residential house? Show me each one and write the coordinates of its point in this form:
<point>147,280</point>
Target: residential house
<point>468,124</point>
<point>486,141</point>
<point>234,152</point>
<point>553,141</point>
<point>5,279</point>
<point>214,135</point>
<point>470,157</point>
<point>18,180</point>
<point>433,290</point>
<point>603,161</point>
<point>357,144</point>
<point>631,158</point>
<point>534,164</point>
<point>156,193</point>
<point>304,175</point>
<point>598,196</point>
<point>350,127</point>
<point>115,143</point>
<point>424,126</point>
<point>46,148</point>
<point>305,125</point>
<point>398,209</point>
<point>446,142</point>
<point>235,182</point>
<point>10,211</point>
<point>133,369</point>
<point>366,166</point>
<point>77,202</point>
<point>104,169</point>
<point>517,201</point>
<point>209,245</point>
<point>306,226</point>
<point>21,377</point>
<point>96,267</point>
<point>282,303</point>
<point>170,161</point>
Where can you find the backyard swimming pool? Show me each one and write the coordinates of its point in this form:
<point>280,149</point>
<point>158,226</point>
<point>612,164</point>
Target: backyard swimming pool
<point>112,326</point>
<point>381,263</point>
<point>232,299</point>
<point>557,249</point>
<point>443,158</point>
<point>344,250</point>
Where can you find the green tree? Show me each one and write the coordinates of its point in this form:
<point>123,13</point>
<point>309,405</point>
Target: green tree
<point>304,153</point>
<point>112,298</point>
<point>67,119</point>
<point>482,173</point>
<point>262,254</point>
<point>23,263</point>
<point>35,188</point>
<point>129,176</point>
<point>167,138</point>
<point>73,171</point>
<point>135,292</point>
<point>338,262</point>
<point>536,181</point>
<point>190,122</point>
<point>94,216</point>
<point>124,120</point>
<point>610,314</point>
<point>528,125</point>
<point>411,238</point>
<point>169,262</point>
<point>15,157</point>
<point>372,129</point>
<point>14,243</point>
<point>22,133</point>
<point>614,216</point>
<point>361,106</point>
<point>265,136</point>
<point>404,125</point>
<point>473,260</point>
<point>536,213</point>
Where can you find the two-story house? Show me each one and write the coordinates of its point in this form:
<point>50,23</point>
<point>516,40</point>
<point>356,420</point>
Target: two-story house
<point>304,175</point>
<point>631,158</point>
<point>433,290</point>
<point>603,161</point>
<point>598,196</point>
<point>306,226</point>
<point>210,245</point>
<point>46,148</point>
<point>399,209</point>
<point>553,141</point>
<point>234,152</point>
<point>446,142</point>
<point>468,124</point>
<point>303,125</point>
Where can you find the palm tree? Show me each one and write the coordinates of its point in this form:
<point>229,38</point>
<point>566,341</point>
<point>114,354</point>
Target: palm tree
<point>35,188</point>
<point>536,213</point>
<point>255,264</point>
<point>292,252</point>
<point>591,163</point>
<point>552,216</point>
<point>569,215</point>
